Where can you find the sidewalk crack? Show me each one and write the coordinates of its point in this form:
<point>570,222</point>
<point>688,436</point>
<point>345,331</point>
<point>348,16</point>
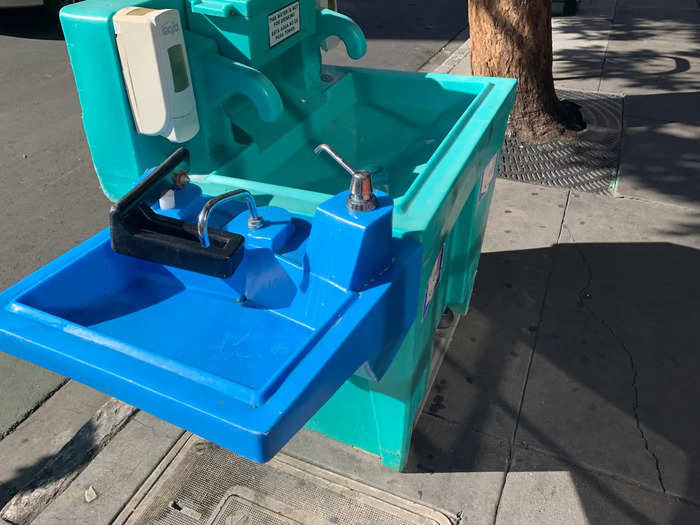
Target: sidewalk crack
<point>545,294</point>
<point>607,46</point>
<point>583,294</point>
<point>33,409</point>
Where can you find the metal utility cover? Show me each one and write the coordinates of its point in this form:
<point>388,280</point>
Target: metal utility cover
<point>200,482</point>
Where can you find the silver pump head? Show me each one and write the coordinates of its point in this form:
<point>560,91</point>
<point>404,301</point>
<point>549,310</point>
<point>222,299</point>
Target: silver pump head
<point>361,197</point>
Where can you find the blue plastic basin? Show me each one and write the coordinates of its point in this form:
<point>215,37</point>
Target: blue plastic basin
<point>243,361</point>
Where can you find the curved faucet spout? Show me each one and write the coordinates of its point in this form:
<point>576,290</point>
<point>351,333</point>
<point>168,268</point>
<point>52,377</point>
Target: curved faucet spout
<point>255,221</point>
<point>331,23</point>
<point>227,78</point>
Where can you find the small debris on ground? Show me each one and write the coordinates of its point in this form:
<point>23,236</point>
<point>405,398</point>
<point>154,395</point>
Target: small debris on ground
<point>90,494</point>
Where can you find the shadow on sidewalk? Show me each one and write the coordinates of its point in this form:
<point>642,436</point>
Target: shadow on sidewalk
<point>612,390</point>
<point>412,20</point>
<point>641,49</point>
<point>30,22</point>
<point>49,468</point>
<point>653,56</point>
<point>660,157</point>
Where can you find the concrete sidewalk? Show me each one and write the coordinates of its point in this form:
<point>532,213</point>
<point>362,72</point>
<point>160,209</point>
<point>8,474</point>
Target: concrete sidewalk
<point>568,393</point>
<point>599,386</point>
<point>602,430</point>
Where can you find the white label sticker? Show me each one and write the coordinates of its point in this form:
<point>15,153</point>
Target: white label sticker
<point>433,280</point>
<point>283,23</point>
<point>488,176</point>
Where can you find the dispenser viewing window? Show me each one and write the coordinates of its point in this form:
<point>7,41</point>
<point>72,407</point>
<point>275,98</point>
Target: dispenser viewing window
<point>156,73</point>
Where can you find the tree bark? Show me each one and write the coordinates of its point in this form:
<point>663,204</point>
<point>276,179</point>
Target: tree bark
<point>513,38</point>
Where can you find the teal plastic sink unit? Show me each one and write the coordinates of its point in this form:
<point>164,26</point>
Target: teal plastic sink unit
<point>240,84</point>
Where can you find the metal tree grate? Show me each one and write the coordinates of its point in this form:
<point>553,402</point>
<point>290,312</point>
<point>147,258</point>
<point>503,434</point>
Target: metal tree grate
<point>589,163</point>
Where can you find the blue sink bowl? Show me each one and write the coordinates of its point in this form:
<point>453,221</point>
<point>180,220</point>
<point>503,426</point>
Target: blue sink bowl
<point>243,361</point>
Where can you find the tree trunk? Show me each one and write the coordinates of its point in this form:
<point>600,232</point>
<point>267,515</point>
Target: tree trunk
<point>513,38</point>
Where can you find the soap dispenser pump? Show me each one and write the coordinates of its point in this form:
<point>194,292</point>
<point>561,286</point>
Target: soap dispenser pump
<point>361,197</point>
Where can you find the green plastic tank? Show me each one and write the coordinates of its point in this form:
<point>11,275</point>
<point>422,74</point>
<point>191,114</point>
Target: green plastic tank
<point>263,102</point>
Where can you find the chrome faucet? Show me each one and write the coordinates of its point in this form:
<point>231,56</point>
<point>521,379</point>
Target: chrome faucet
<point>361,197</point>
<point>255,221</point>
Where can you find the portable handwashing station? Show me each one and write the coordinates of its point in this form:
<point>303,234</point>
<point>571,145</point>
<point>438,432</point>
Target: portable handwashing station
<point>241,290</point>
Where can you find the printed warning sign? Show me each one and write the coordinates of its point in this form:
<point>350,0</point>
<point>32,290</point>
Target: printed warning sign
<point>283,23</point>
